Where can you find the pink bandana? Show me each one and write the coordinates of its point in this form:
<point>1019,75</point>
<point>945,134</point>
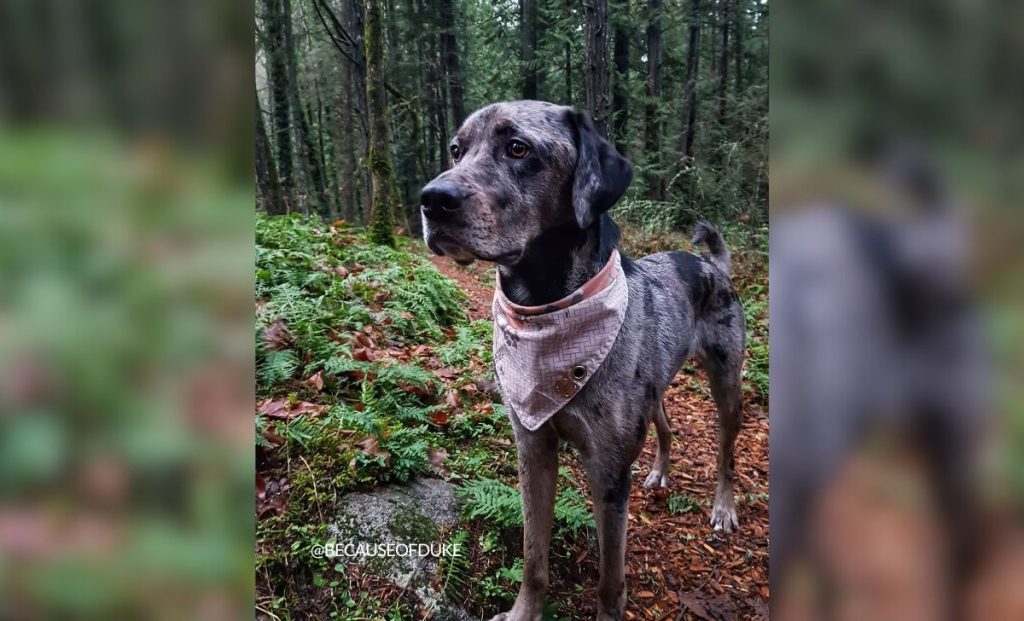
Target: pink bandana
<point>544,355</point>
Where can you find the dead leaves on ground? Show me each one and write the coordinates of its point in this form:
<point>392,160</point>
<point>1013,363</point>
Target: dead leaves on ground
<point>287,409</point>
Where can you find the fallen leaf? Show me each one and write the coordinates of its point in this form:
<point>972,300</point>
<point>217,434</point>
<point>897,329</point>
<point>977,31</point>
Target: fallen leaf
<point>437,456</point>
<point>693,602</point>
<point>364,354</point>
<point>277,337</point>
<point>315,381</point>
<point>371,448</point>
<point>274,505</point>
<point>445,373</point>
<point>283,408</point>
<point>452,399</point>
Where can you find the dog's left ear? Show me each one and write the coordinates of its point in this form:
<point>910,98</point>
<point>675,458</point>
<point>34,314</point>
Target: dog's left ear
<point>602,175</point>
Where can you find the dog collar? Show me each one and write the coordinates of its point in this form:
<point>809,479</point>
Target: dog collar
<point>544,355</point>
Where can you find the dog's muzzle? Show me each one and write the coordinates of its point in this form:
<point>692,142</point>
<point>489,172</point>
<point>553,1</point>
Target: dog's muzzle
<point>440,200</point>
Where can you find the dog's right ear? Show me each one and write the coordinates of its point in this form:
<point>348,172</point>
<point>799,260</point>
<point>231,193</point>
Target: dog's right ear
<point>602,175</point>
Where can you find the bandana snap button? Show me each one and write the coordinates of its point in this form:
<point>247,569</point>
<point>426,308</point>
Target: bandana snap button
<point>579,372</point>
<point>566,387</point>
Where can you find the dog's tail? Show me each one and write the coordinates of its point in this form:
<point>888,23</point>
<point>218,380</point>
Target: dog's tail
<point>709,235</point>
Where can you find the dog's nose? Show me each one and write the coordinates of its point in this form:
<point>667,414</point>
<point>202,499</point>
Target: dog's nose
<point>440,199</point>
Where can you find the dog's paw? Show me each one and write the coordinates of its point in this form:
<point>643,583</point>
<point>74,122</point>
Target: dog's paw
<point>656,479</point>
<point>723,517</point>
<point>501,617</point>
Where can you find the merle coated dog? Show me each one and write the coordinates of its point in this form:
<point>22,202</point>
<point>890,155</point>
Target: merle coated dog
<point>528,189</point>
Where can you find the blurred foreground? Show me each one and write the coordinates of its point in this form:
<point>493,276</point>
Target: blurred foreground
<point>125,311</point>
<point>897,444</point>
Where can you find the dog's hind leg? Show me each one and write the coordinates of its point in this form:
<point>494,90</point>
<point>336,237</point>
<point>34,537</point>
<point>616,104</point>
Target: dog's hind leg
<point>724,376</point>
<point>658,476</point>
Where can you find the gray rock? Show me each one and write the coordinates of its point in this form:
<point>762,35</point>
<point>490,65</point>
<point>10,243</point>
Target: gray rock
<point>422,512</point>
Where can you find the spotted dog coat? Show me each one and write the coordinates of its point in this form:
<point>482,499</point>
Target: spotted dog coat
<point>529,189</point>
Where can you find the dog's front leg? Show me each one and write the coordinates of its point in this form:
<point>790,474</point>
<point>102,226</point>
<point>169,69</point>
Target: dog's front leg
<point>609,485</point>
<point>537,453</point>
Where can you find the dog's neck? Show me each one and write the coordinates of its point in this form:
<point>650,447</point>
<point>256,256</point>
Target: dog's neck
<point>559,261</point>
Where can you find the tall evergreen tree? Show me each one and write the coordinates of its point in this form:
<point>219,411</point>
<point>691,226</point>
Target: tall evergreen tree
<point>653,177</point>
<point>277,75</point>
<point>690,96</point>
<point>528,47</point>
<point>267,182</point>
<point>384,193</point>
<point>620,84</point>
<point>596,91</point>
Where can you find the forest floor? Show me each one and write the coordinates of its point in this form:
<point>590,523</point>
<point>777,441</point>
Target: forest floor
<point>677,567</point>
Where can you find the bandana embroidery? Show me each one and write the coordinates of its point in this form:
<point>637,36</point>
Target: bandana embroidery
<point>544,355</point>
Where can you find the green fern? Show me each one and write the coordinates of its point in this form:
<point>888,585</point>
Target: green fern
<point>279,366</point>
<point>682,503</point>
<point>471,340</point>
<point>491,500</point>
<point>456,571</point>
<point>397,374</point>
<point>572,515</point>
<point>409,452</point>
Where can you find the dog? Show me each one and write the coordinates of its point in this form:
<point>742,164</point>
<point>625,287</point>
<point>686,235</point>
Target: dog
<point>529,188</point>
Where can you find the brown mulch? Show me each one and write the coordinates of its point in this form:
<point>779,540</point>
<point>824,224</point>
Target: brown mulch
<point>677,567</point>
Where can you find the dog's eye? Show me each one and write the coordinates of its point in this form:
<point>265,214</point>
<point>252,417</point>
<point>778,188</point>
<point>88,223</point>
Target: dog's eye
<point>455,151</point>
<point>518,149</point>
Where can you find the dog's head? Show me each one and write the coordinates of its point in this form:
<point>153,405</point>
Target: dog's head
<point>518,169</point>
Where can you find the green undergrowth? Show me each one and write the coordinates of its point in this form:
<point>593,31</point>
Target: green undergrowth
<point>368,372</point>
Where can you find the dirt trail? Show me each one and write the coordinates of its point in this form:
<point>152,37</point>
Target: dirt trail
<point>677,567</point>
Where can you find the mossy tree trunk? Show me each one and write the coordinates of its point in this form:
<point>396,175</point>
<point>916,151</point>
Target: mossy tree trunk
<point>383,191</point>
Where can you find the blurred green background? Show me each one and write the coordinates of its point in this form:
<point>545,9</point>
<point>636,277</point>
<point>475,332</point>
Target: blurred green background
<point>126,359</point>
<point>854,87</point>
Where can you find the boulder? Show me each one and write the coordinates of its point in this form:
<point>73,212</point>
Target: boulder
<point>421,513</point>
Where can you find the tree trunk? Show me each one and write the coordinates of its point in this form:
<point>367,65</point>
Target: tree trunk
<point>737,38</point>
<point>620,87</point>
<point>723,62</point>
<point>652,122</point>
<point>435,73</point>
<point>313,168</point>
<point>277,76</point>
<point>597,96</point>
<point>568,57</point>
<point>354,20</point>
<point>424,139</point>
<point>453,73</point>
<point>692,66</point>
<point>266,169</point>
<point>382,218</point>
<point>528,47</point>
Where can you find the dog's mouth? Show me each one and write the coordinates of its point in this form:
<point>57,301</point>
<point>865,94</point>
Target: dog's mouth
<point>443,245</point>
